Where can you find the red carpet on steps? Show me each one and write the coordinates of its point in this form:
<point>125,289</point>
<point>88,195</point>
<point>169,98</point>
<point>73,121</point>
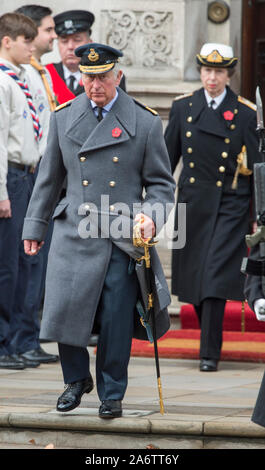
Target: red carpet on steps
<point>184,344</point>
<point>237,345</point>
<point>232,318</point>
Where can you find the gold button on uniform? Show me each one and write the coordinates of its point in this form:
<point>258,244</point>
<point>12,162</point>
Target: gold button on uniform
<point>227,141</point>
<point>189,119</point>
<point>188,134</point>
<point>85,183</point>
<point>115,159</point>
<point>224,155</point>
<point>191,164</point>
<point>219,184</point>
<point>192,180</point>
<point>189,150</point>
<point>112,183</point>
<point>233,126</point>
<point>221,169</point>
<point>82,159</point>
<point>236,111</point>
<point>111,208</point>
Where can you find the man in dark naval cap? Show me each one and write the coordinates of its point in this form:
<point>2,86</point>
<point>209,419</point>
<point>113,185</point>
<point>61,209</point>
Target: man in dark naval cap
<point>112,150</point>
<point>73,29</point>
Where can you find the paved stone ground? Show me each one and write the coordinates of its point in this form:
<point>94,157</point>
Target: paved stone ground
<point>199,407</point>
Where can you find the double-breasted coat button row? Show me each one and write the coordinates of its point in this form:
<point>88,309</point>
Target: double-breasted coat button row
<point>115,159</point>
<point>221,168</point>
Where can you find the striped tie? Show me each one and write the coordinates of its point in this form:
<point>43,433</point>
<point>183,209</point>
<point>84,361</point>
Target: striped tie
<point>23,85</point>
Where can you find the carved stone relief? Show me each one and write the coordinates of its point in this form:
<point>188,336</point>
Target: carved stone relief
<point>145,37</point>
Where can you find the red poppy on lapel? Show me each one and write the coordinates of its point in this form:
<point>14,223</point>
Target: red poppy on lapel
<point>228,115</point>
<point>116,132</point>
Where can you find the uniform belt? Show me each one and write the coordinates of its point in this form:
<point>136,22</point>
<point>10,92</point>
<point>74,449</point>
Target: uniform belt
<point>22,167</point>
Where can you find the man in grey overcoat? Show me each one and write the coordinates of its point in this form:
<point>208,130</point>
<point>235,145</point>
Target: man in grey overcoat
<point>111,151</point>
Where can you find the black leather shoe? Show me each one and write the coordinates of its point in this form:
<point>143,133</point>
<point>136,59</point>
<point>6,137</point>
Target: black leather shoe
<point>26,362</point>
<point>39,355</point>
<point>11,362</point>
<point>71,397</point>
<point>93,340</point>
<point>110,409</point>
<point>208,365</point>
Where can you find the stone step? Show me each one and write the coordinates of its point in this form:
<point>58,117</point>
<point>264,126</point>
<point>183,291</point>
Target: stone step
<point>88,432</point>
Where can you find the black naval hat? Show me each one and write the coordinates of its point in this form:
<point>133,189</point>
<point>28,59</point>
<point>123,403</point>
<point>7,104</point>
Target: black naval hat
<point>73,21</point>
<point>216,55</point>
<point>97,58</point>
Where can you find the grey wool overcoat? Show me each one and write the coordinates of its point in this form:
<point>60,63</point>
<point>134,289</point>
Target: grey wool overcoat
<point>120,161</point>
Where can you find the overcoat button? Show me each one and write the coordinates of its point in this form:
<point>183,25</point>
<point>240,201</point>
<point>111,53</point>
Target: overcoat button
<point>224,154</point>
<point>189,119</point>
<point>188,134</point>
<point>232,127</point>
<point>82,159</point>
<point>219,184</point>
<point>221,169</point>
<point>112,184</point>
<point>191,165</point>
<point>236,111</point>
<point>189,150</point>
<point>85,183</point>
<point>192,180</point>
<point>227,141</point>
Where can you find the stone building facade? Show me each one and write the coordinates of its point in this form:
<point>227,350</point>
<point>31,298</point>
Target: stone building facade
<point>159,40</point>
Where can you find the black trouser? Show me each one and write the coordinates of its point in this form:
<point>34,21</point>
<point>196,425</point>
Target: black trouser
<point>210,313</point>
<point>115,315</point>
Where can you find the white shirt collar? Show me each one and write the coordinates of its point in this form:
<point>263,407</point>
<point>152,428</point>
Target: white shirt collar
<point>67,73</point>
<point>218,99</point>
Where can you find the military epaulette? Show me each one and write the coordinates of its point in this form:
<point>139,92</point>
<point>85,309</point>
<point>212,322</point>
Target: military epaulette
<point>180,97</point>
<point>153,111</point>
<point>61,106</point>
<point>247,102</point>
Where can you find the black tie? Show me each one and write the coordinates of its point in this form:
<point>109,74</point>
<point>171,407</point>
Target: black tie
<point>100,115</point>
<point>71,83</point>
<point>212,103</point>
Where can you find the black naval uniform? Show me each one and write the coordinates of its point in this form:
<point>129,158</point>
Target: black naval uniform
<point>206,272</point>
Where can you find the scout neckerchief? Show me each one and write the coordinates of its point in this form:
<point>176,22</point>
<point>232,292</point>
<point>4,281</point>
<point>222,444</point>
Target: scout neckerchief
<point>49,93</point>
<point>24,87</point>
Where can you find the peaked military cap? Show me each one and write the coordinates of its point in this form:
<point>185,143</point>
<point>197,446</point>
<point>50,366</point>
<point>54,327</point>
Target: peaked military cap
<point>216,55</point>
<point>73,21</point>
<point>97,58</point>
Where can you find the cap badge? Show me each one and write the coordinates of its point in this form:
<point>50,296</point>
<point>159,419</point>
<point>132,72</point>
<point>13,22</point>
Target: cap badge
<point>93,56</point>
<point>68,24</point>
<point>215,57</point>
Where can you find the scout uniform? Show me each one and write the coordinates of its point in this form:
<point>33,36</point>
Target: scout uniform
<point>19,155</point>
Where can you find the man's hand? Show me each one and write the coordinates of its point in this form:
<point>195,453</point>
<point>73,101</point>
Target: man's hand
<point>147,226</point>
<point>259,308</point>
<point>5,209</point>
<point>32,247</point>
